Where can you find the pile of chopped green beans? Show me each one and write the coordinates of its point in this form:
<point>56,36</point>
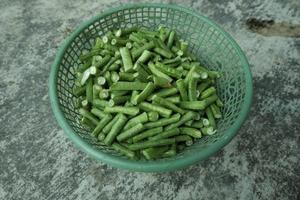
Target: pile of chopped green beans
<point>142,93</point>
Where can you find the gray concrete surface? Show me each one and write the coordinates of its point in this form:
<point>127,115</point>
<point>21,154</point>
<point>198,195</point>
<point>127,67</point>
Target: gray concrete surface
<point>37,161</point>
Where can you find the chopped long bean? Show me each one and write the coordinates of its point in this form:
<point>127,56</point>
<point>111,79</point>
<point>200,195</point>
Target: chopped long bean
<point>164,112</point>
<point>120,109</point>
<point>123,150</point>
<point>148,144</point>
<point>195,133</point>
<point>101,125</point>
<point>163,122</point>
<point>130,132</point>
<point>153,116</point>
<point>142,118</point>
<point>115,129</point>
<point>143,93</point>
<point>128,86</point>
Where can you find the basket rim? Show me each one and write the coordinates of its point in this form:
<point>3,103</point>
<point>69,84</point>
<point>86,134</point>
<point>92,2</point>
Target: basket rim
<point>148,166</point>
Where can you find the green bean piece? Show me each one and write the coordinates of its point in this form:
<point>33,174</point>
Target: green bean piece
<point>103,94</point>
<point>203,86</point>
<point>195,133</point>
<point>204,75</point>
<point>86,56</point>
<point>97,112</point>
<point>198,105</point>
<point>210,117</point>
<point>79,91</point>
<point>101,103</point>
<point>164,93</point>
<point>96,90</point>
<point>154,153</point>
<point>114,77</point>
<point>133,95</point>
<point>123,150</point>
<point>103,61</point>
<point>162,82</point>
<point>163,52</point>
<point>208,130</point>
<point>182,90</point>
<point>163,122</point>
<point>136,53</point>
<point>121,85</point>
<point>101,125</point>
<point>118,93</point>
<point>208,92</point>
<point>164,34</point>
<point>184,138</point>
<point>205,122</point>
<point>164,112</point>
<point>169,153</point>
<point>192,72</point>
<point>166,134</point>
<point>197,124</point>
<point>85,76</point>
<point>177,59</point>
<point>120,109</point>
<point>77,103</point>
<point>107,77</point>
<point>148,144</point>
<point>105,39</point>
<point>188,123</point>
<point>146,55</point>
<point>130,132</point>
<point>144,94</point>
<point>153,116</point>
<point>129,45</point>
<point>158,73</point>
<point>125,76</point>
<point>146,134</point>
<point>118,41</point>
<point>214,74</point>
<point>219,103</point>
<point>108,126</point>
<point>136,38</point>
<point>192,88</point>
<point>142,74</point>
<point>114,60</point>
<point>183,46</point>
<point>101,80</point>
<point>115,129</point>
<point>141,118</point>
<point>168,104</point>
<point>168,70</point>
<point>88,123</point>
<point>174,99</point>
<point>186,117</point>
<point>126,58</point>
<point>114,65</point>
<point>162,45</point>
<point>83,112</point>
<point>216,111</point>
<point>120,99</point>
<point>85,104</point>
<point>85,66</point>
<point>171,39</point>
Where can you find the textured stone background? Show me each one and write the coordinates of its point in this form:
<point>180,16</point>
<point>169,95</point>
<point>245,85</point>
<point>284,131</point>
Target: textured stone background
<point>37,161</point>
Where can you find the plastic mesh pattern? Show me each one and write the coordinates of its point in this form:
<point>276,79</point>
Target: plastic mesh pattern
<point>211,47</point>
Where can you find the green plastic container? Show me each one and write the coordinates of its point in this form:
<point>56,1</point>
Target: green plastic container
<point>211,44</point>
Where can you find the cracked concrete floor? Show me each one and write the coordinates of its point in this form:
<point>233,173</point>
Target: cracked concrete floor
<point>37,161</point>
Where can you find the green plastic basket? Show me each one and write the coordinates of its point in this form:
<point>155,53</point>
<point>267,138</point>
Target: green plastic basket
<point>211,44</point>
